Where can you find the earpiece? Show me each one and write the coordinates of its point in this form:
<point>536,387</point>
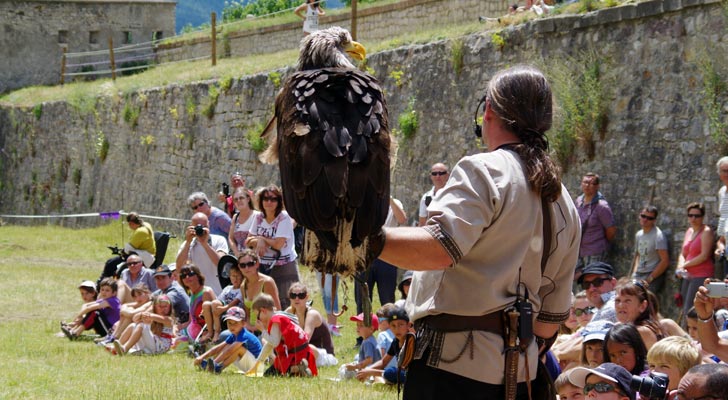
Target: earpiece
<point>477,128</point>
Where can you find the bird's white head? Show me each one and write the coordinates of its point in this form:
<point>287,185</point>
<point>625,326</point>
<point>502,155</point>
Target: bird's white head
<point>328,48</point>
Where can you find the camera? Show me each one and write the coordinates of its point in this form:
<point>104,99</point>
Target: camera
<point>226,189</point>
<point>717,289</point>
<point>653,386</point>
<point>199,230</point>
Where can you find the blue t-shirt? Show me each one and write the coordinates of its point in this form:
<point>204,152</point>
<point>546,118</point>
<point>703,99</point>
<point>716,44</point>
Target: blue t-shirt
<point>369,348</point>
<point>251,343</point>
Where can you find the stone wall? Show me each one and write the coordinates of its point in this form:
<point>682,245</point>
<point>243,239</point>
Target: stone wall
<point>35,33</point>
<point>373,24</point>
<point>656,147</point>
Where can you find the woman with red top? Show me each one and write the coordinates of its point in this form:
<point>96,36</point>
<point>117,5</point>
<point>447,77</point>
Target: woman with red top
<point>696,261</point>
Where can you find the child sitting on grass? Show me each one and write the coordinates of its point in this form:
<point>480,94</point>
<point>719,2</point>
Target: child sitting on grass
<point>213,310</point>
<point>385,336</point>
<point>386,368</point>
<point>88,295</point>
<point>240,347</point>
<point>150,333</point>
<point>105,309</point>
<point>294,357</point>
<point>368,352</point>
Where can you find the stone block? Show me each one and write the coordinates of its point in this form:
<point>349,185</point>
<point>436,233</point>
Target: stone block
<point>628,11</point>
<point>609,15</point>
<point>672,5</point>
<point>544,25</point>
<point>565,23</point>
<point>649,8</point>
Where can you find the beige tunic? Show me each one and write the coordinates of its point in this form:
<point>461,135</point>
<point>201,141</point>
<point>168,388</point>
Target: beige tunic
<point>490,223</point>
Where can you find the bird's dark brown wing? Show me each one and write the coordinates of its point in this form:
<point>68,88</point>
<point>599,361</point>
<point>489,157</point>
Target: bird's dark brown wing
<point>334,146</point>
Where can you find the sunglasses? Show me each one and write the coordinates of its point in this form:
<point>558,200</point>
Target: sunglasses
<point>187,274</point>
<point>268,198</point>
<point>599,387</point>
<point>596,283</point>
<point>695,216</point>
<point>647,217</point>
<point>130,263</point>
<point>247,264</point>
<point>583,311</point>
<point>298,295</point>
<point>438,173</point>
<point>198,205</point>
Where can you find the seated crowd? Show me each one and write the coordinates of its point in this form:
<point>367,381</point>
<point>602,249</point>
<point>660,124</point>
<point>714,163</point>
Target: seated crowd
<point>262,316</point>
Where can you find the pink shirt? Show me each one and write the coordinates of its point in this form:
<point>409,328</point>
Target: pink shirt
<point>692,249</point>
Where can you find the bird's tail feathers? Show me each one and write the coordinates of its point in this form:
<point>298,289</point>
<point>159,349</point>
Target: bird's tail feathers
<point>343,259</point>
<point>270,155</point>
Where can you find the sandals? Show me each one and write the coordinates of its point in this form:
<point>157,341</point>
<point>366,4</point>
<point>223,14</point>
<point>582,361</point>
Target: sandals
<point>66,331</point>
<point>119,348</point>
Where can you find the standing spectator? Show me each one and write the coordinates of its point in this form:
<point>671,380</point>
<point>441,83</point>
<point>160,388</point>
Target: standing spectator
<point>203,249</point>
<point>650,254</point>
<point>218,221</point>
<point>597,223</point>
<point>695,262</point>
<point>137,273</point>
<point>704,381</point>
<point>480,234</point>
<point>722,166</point>
<point>310,21</point>
<point>236,182</point>
<point>438,175</point>
<point>242,220</point>
<point>271,236</point>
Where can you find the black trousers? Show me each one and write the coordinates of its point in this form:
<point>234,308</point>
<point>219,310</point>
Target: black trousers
<point>425,383</point>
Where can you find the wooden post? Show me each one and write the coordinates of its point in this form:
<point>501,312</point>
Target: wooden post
<point>111,58</point>
<point>213,18</point>
<point>63,66</point>
<point>353,19</point>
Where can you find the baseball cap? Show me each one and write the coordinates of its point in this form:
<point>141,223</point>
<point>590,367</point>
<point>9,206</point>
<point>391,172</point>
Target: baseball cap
<point>172,267</point>
<point>596,268</point>
<point>87,285</point>
<point>398,314</point>
<point>234,313</point>
<point>609,371</point>
<point>360,318</point>
<point>162,270</point>
<point>596,330</point>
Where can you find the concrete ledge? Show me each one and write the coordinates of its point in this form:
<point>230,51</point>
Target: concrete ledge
<point>544,25</point>
<point>608,15</point>
<point>649,8</point>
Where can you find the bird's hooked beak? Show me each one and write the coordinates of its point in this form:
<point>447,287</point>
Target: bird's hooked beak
<point>355,50</point>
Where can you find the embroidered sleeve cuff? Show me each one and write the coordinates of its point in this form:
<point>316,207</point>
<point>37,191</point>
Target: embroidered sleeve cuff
<point>446,241</point>
<point>551,318</point>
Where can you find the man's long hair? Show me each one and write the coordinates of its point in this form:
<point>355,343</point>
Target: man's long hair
<point>522,98</point>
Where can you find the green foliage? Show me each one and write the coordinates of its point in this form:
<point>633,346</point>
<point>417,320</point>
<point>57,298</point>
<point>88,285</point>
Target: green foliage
<point>257,143</point>
<point>611,3</point>
<point>38,110</point>
<point>102,146</point>
<point>588,5</point>
<point>581,91</point>
<point>275,78</point>
<point>213,93</point>
<point>146,140</point>
<point>239,9</point>
<point>714,92</point>
<point>498,40</point>
<point>397,76</point>
<point>131,114</point>
<point>190,108</point>
<point>457,53</point>
<point>409,120</point>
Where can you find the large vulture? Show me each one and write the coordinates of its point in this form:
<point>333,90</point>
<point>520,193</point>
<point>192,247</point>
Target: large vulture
<point>333,148</point>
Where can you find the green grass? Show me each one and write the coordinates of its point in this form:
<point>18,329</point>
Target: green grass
<point>41,267</point>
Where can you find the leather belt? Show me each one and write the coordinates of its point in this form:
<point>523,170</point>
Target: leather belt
<point>492,322</point>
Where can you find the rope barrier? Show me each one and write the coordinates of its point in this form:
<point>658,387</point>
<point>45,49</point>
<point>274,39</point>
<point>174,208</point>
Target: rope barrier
<point>102,215</point>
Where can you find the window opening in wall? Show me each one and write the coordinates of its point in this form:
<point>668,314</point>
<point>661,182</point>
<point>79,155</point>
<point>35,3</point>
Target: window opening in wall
<point>127,37</point>
<point>93,37</point>
<point>63,37</point>
<point>157,35</point>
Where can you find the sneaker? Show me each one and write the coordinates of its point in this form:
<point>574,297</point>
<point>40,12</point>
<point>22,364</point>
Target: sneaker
<point>68,333</point>
<point>118,347</point>
<point>334,330</point>
<point>203,365</point>
<point>102,341</point>
<point>217,367</point>
<point>210,364</point>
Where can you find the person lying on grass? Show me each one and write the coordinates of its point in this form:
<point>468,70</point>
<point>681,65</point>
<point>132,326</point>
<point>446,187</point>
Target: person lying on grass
<point>106,310</point>
<point>240,346</point>
<point>150,332</point>
<point>294,356</point>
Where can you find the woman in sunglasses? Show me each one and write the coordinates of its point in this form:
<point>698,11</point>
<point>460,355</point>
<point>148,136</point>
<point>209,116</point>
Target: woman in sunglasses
<point>255,283</point>
<point>695,262</point>
<point>310,320</point>
<point>193,282</point>
<point>271,236</point>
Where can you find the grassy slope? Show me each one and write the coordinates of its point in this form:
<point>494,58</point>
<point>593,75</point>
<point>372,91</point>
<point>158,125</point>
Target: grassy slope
<point>40,267</point>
